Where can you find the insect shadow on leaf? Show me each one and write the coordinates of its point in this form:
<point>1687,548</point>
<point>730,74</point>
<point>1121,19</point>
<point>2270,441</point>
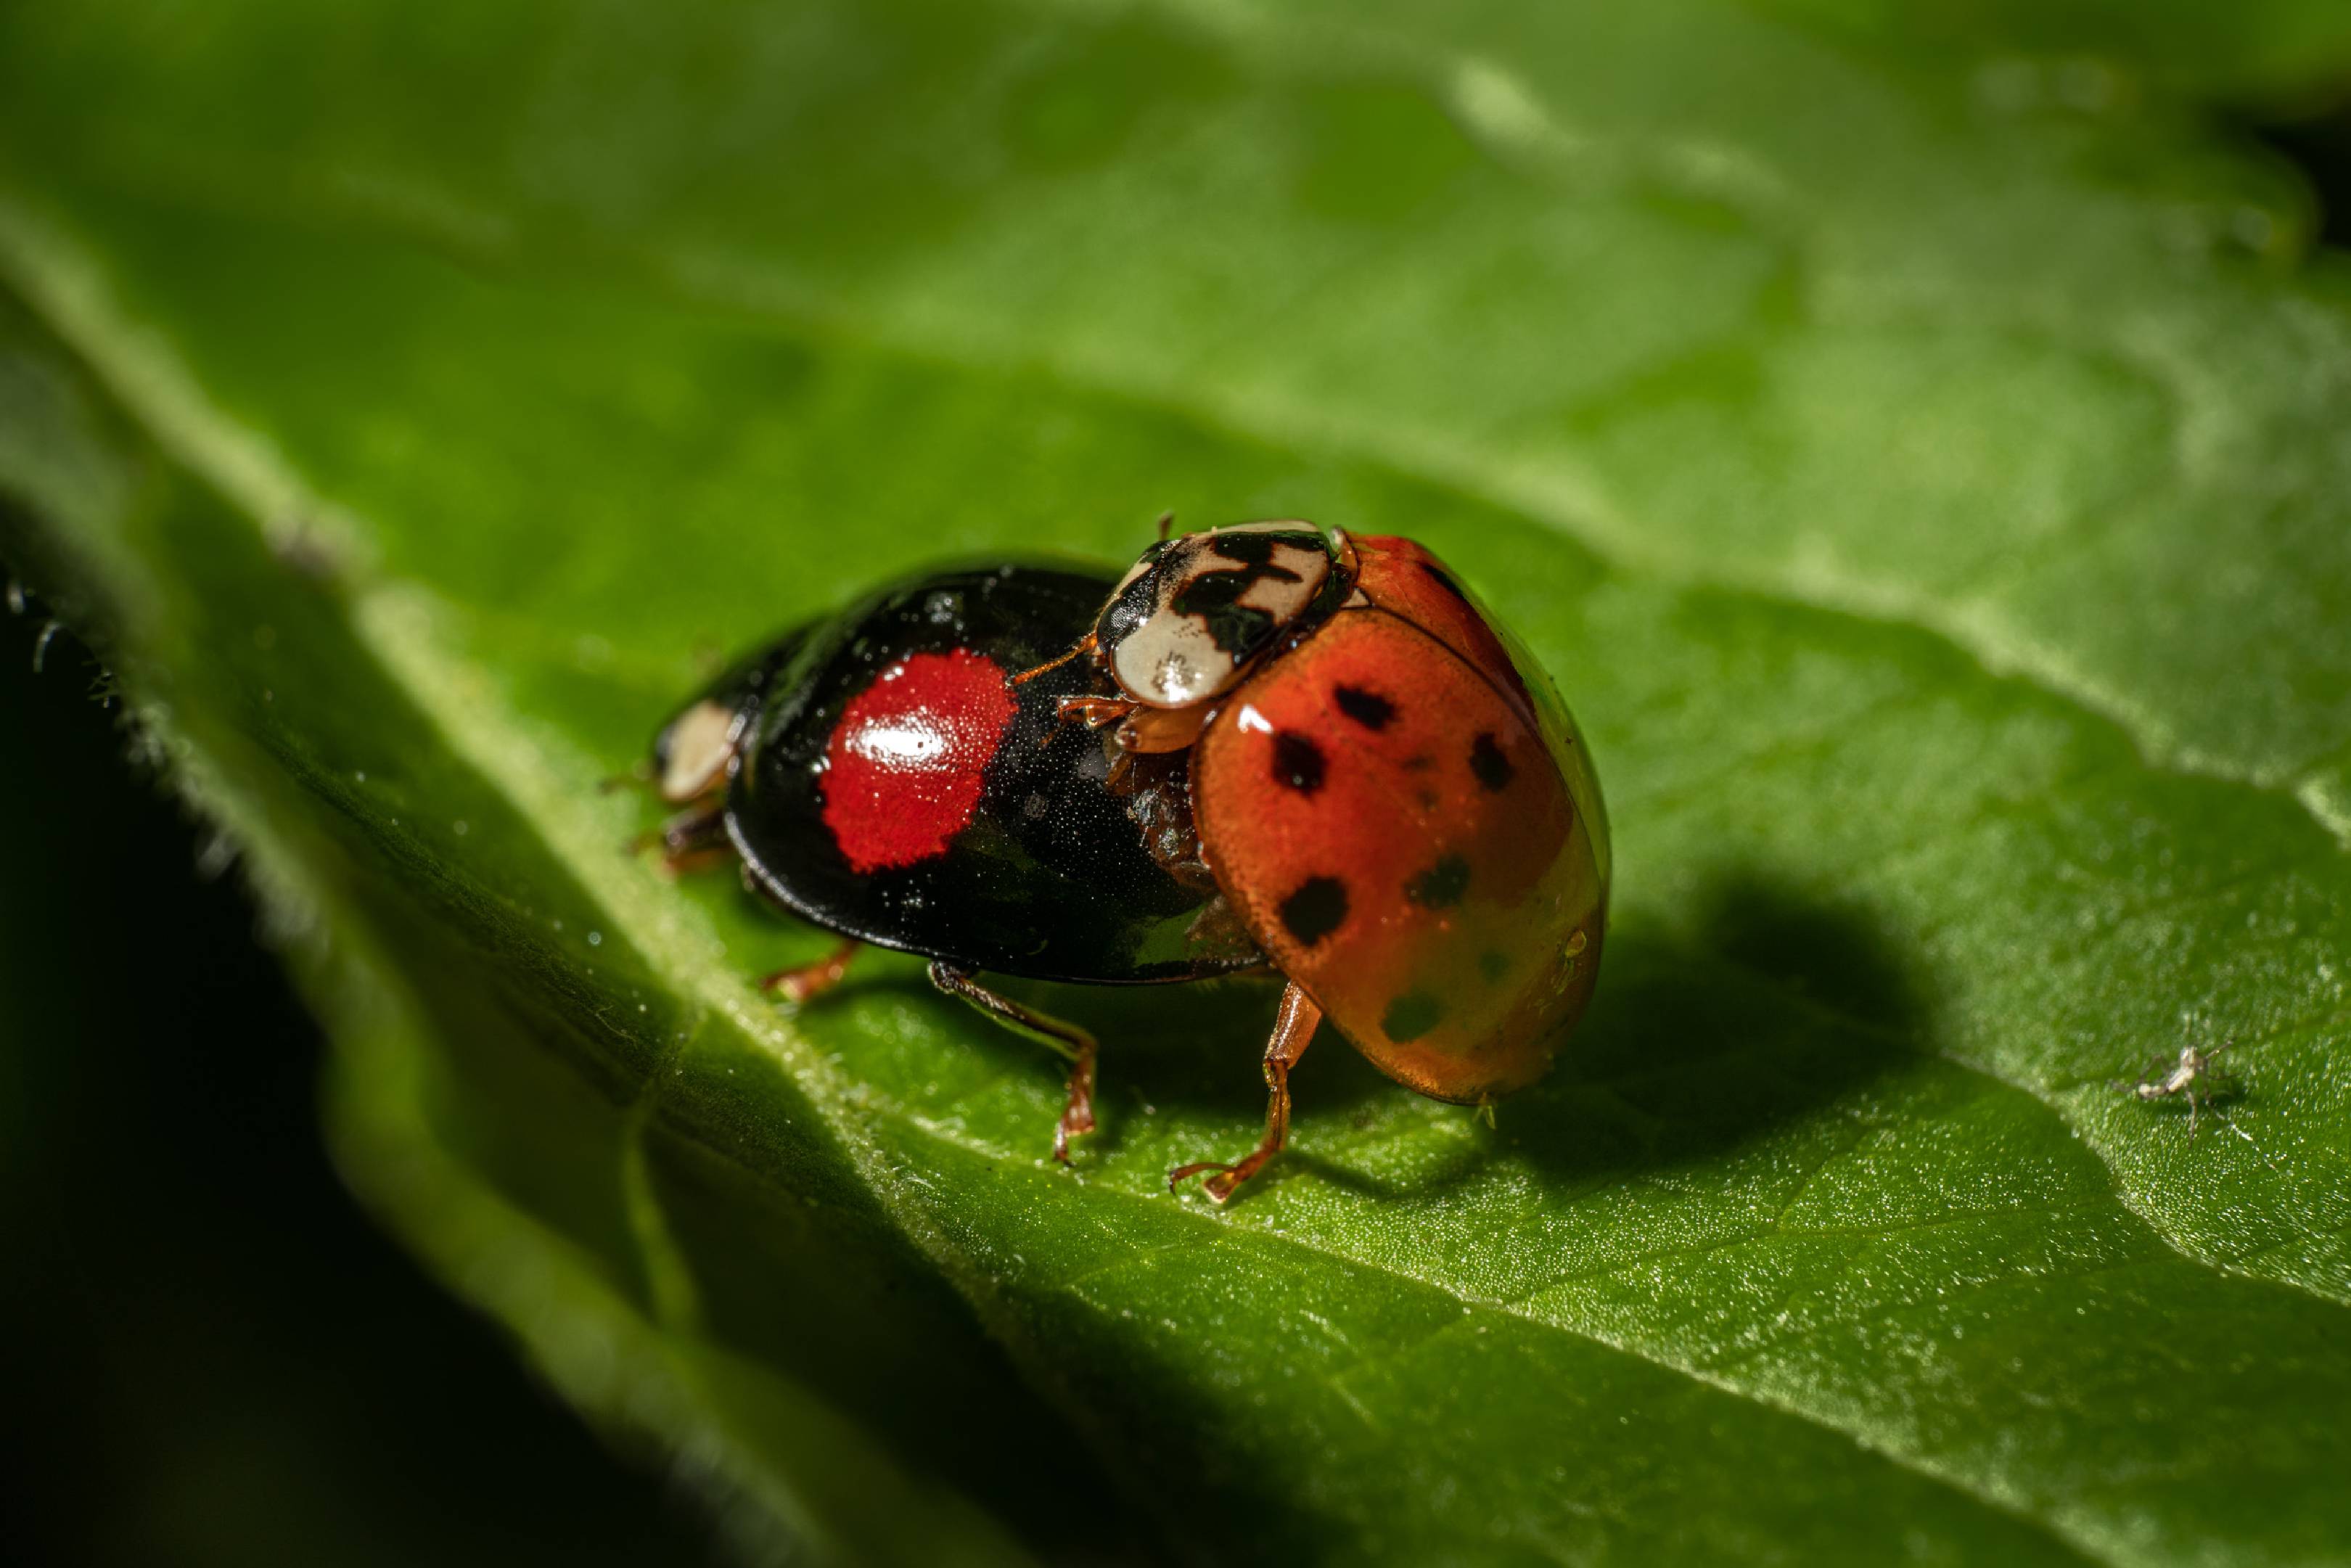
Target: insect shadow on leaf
<point>1768,1003</point>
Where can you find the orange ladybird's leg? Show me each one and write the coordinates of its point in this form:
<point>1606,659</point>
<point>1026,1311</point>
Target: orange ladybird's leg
<point>810,981</point>
<point>1066,1039</point>
<point>1093,712</point>
<point>1293,1030</point>
<point>1154,729</point>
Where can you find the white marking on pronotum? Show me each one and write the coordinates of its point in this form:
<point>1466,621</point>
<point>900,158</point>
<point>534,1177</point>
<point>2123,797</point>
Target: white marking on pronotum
<point>1173,658</point>
<point>700,742</point>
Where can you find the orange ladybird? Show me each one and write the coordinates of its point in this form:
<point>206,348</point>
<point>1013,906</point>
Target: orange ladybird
<point>1394,802</point>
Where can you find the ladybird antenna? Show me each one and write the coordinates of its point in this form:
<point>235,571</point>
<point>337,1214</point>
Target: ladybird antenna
<point>1084,644</point>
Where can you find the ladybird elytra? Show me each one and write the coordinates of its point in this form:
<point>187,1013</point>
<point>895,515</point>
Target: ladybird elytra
<point>1425,887</point>
<point>1261,748</point>
<point>881,792</point>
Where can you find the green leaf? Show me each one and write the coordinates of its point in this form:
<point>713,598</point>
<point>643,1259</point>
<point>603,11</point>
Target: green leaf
<point>2098,54</point>
<point>1927,482</point>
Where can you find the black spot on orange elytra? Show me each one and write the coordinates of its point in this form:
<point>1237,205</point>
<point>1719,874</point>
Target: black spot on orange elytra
<point>1297,762</point>
<point>1369,709</point>
<point>1410,1016</point>
<point>1317,908</point>
<point>1486,760</point>
<point>1441,885</point>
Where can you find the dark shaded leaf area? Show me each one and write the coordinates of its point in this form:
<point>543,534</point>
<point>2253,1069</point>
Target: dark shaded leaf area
<point>1914,443</point>
<point>211,1357</point>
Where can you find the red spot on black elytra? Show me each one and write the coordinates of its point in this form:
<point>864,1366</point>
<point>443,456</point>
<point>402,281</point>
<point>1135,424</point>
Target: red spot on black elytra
<point>1369,709</point>
<point>906,763</point>
<point>1297,762</point>
<point>1317,908</point>
<point>1486,760</point>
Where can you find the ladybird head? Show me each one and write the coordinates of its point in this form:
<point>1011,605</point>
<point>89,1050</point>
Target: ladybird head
<point>1197,609</point>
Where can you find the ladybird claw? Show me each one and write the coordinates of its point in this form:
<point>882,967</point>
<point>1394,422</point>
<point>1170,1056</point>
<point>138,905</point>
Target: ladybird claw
<point>807,982</point>
<point>795,989</point>
<point>1074,1122</point>
<point>1219,1187</point>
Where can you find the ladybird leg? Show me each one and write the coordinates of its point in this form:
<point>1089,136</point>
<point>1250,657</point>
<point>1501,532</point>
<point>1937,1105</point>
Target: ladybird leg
<point>1293,1030</point>
<point>1066,1038</point>
<point>1150,729</point>
<point>1093,712</point>
<point>689,841</point>
<point>810,981</point>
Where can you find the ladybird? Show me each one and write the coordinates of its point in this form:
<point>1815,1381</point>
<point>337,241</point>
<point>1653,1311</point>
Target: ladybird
<point>1264,749</point>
